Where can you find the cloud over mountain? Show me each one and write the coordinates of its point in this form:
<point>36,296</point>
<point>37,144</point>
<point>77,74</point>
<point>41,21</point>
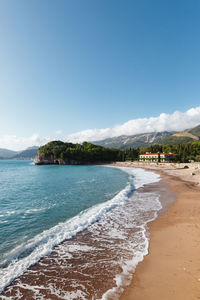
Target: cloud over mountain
<point>176,121</point>
<point>20,143</point>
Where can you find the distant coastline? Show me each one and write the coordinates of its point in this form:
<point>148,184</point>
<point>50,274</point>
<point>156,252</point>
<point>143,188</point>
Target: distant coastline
<point>27,154</point>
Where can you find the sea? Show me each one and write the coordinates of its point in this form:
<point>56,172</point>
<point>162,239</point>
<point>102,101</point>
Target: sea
<point>72,232</point>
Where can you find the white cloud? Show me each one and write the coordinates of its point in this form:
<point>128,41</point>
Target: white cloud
<point>176,121</point>
<point>20,143</point>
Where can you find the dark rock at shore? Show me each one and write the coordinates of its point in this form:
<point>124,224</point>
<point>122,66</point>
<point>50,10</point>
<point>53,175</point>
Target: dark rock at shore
<point>51,160</point>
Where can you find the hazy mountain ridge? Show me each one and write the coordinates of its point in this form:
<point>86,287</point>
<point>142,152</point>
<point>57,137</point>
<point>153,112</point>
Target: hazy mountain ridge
<point>122,142</point>
<point>145,139</point>
<point>28,153</point>
<point>6,153</point>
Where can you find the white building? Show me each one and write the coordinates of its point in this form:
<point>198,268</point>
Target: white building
<point>162,157</point>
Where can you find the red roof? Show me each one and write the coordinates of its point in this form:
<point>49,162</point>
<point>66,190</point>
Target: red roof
<point>149,154</point>
<point>157,154</point>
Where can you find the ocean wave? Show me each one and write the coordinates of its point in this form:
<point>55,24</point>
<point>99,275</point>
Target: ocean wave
<point>44,243</point>
<point>10,212</point>
<point>35,210</point>
<point>2,222</point>
<point>41,245</point>
<point>140,177</point>
<point>128,266</point>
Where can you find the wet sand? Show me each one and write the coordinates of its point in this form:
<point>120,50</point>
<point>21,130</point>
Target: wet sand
<point>171,270</point>
<point>98,260</point>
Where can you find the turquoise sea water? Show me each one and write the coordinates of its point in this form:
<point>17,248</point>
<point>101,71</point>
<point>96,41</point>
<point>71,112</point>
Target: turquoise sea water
<point>36,198</point>
<point>82,223</point>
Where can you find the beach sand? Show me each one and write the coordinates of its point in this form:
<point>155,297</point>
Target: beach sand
<point>171,270</point>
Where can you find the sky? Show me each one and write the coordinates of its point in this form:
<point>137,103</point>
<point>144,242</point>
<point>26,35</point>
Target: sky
<point>87,70</point>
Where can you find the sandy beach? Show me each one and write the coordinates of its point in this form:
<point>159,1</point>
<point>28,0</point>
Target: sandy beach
<point>171,270</point>
<point>99,258</point>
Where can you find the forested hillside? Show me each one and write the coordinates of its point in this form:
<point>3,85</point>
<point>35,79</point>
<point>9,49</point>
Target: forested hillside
<point>182,152</point>
<point>58,152</point>
<point>68,153</point>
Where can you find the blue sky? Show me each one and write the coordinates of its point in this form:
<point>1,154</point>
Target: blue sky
<point>68,66</point>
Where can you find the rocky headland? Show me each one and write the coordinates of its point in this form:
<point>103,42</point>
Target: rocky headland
<point>41,159</point>
<point>60,153</point>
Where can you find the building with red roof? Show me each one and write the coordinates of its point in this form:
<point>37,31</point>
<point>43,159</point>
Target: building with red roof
<point>162,157</point>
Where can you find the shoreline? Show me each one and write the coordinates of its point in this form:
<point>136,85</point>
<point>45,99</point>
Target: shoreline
<point>104,242</point>
<point>171,270</point>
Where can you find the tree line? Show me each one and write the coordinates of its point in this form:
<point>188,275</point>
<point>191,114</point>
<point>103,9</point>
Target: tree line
<point>182,152</point>
<point>83,153</point>
<point>88,152</point>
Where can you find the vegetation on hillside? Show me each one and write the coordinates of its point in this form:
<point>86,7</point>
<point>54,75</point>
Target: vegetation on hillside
<point>182,152</point>
<point>176,140</point>
<point>86,152</point>
<point>195,131</point>
<point>90,153</point>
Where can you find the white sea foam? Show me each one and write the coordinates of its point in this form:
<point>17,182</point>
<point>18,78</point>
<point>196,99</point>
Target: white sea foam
<point>2,222</point>
<point>82,248</point>
<point>34,210</point>
<point>141,178</point>
<point>10,212</point>
<point>43,244</point>
<point>128,266</point>
<point>29,211</point>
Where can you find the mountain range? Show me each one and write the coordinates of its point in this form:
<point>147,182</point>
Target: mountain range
<point>145,139</point>
<point>122,142</point>
<point>28,153</point>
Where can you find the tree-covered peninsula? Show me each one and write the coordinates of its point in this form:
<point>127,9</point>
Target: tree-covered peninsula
<point>57,152</point>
